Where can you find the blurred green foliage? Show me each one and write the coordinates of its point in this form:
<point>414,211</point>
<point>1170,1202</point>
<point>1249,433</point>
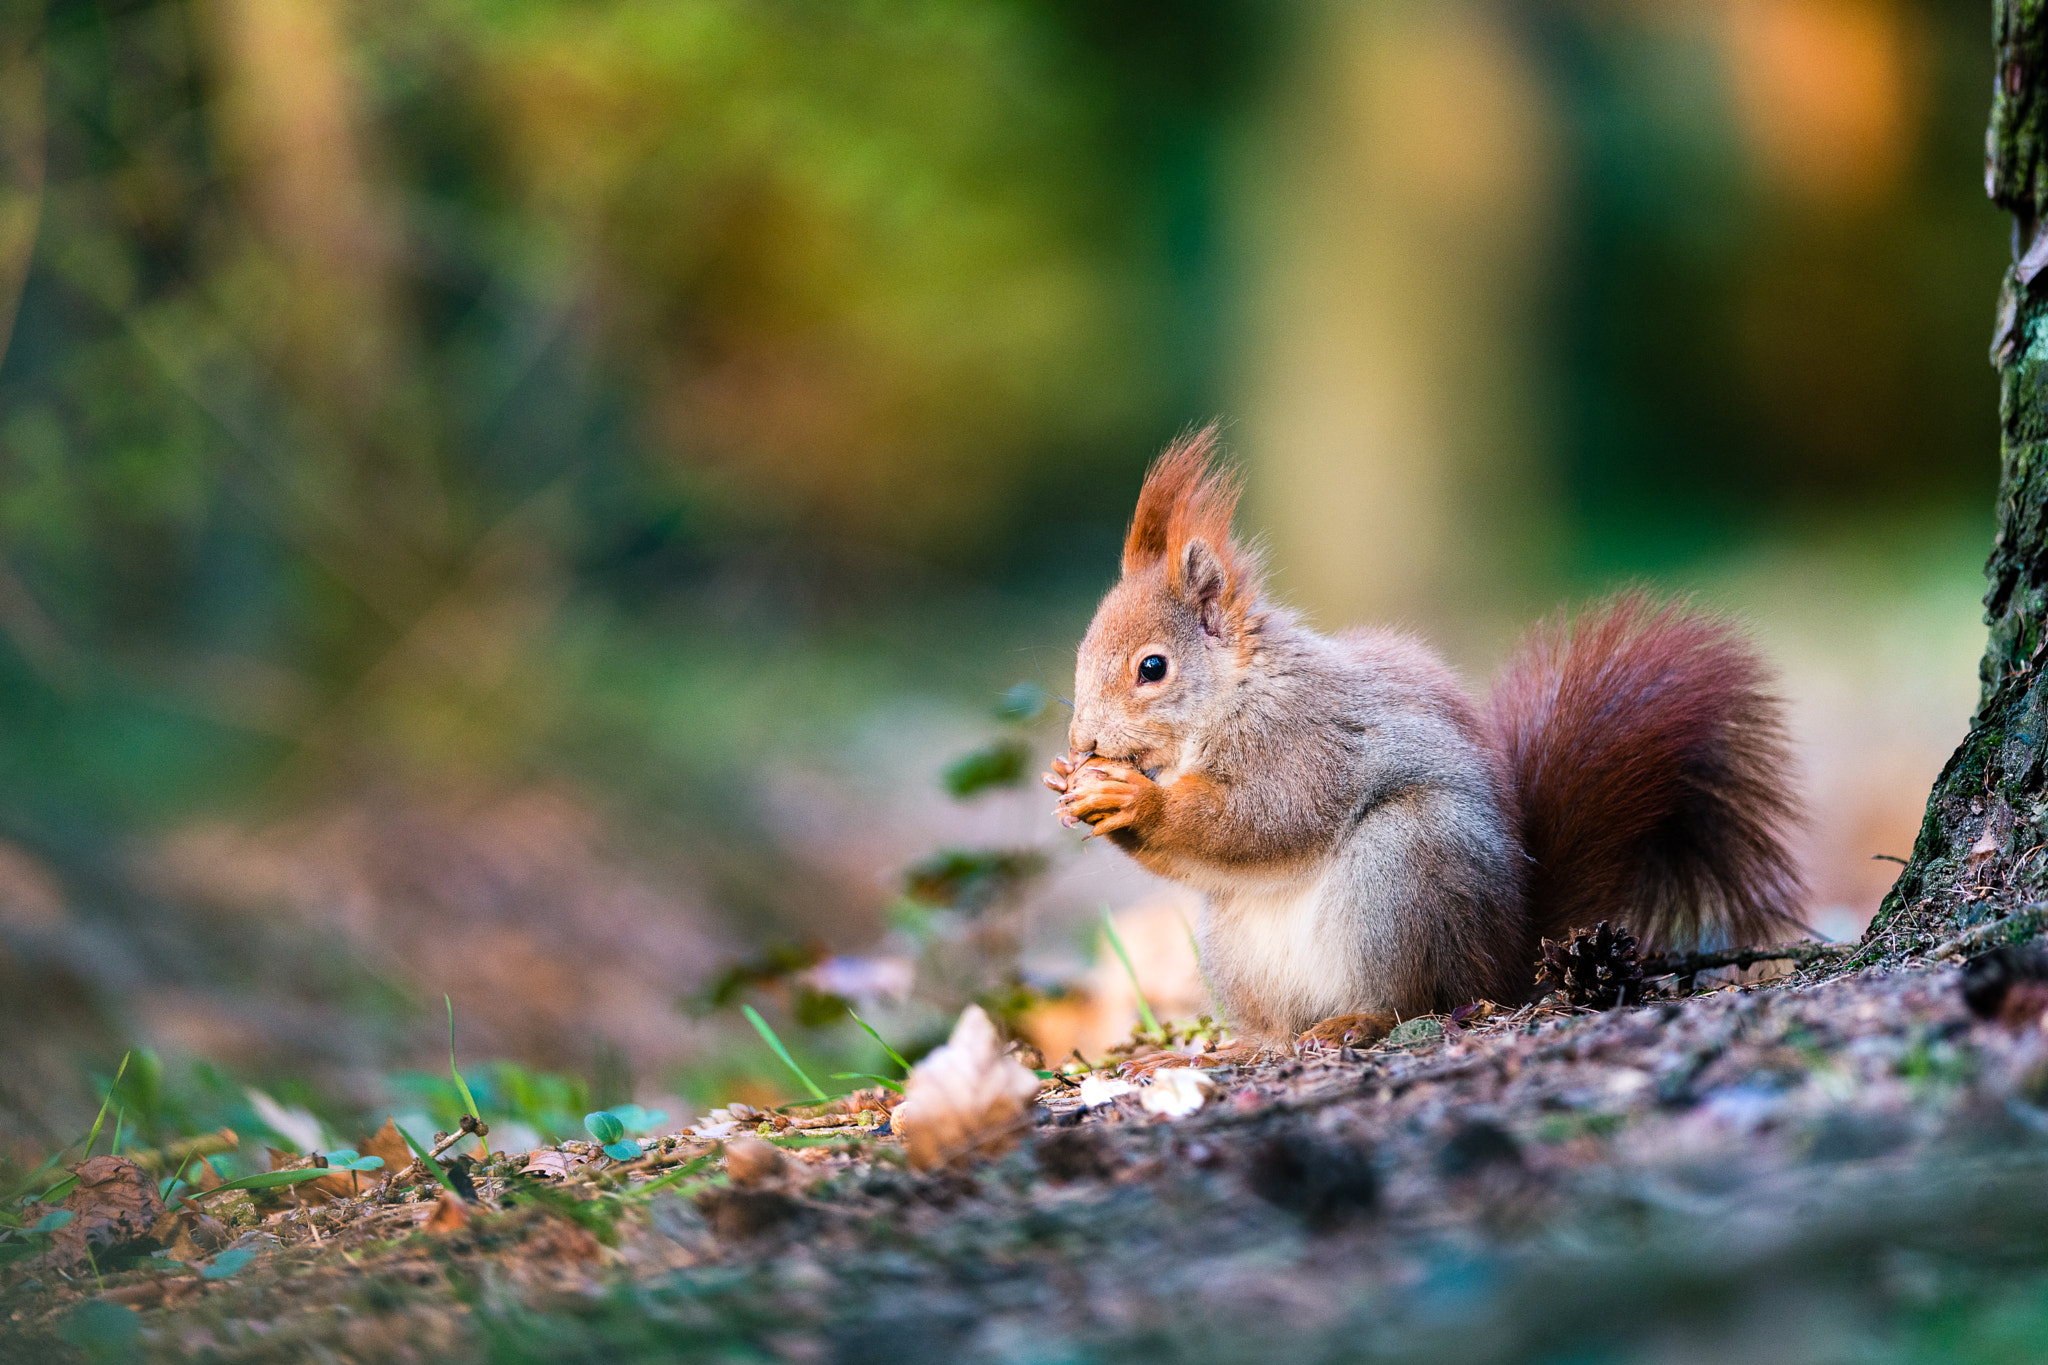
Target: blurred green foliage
<point>359,340</point>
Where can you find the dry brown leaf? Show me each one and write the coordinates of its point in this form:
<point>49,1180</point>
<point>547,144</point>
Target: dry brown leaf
<point>115,1201</point>
<point>553,1163</point>
<point>750,1161</point>
<point>965,1099</point>
<point>190,1234</point>
<point>450,1215</point>
<point>387,1143</point>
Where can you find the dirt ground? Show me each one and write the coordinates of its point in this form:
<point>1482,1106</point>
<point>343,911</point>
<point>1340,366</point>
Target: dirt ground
<point>1803,1170</point>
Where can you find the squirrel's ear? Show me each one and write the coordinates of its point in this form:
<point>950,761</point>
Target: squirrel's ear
<point>1204,581</point>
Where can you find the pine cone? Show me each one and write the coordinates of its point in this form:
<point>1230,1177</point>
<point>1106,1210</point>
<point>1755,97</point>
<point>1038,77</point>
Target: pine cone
<point>1596,967</point>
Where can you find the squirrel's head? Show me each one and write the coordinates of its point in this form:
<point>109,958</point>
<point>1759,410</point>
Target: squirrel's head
<point>1171,640</point>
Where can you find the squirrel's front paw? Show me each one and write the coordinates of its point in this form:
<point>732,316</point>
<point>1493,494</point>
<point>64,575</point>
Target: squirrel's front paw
<point>1348,1030</point>
<point>1108,795</point>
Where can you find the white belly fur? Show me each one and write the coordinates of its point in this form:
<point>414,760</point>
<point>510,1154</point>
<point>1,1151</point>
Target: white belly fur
<point>1284,950</point>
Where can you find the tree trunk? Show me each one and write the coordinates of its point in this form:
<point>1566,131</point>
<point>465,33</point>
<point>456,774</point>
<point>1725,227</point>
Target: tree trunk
<point>1981,850</point>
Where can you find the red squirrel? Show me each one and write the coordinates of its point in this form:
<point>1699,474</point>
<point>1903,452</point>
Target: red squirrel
<point>1371,844</point>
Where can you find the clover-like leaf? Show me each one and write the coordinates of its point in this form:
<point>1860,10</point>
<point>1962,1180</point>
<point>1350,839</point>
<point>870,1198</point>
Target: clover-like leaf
<point>366,1163</point>
<point>604,1126</point>
<point>636,1119</point>
<point>341,1158</point>
<point>54,1219</point>
<point>622,1151</point>
<point>227,1263</point>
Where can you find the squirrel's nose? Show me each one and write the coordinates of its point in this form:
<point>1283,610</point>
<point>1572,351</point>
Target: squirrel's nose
<point>1080,739</point>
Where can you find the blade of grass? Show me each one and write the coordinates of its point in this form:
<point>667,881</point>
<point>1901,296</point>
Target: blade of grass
<point>119,1114</point>
<point>433,1166</point>
<point>768,1036</point>
<point>264,1180</point>
<point>1144,1008</point>
<point>460,1084</point>
<point>896,1086</point>
<point>28,1181</point>
<point>676,1176</point>
<point>171,1184</point>
<point>894,1055</point>
<point>94,1135</point>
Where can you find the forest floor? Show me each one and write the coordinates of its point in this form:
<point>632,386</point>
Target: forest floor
<point>1809,1169</point>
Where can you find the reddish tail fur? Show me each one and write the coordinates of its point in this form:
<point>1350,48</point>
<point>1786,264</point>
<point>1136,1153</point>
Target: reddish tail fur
<point>1652,772</point>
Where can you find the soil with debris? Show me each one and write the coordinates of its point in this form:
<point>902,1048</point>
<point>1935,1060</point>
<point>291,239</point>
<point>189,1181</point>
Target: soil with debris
<point>1808,1169</point>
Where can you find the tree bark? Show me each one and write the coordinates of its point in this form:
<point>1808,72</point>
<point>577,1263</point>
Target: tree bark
<point>1983,847</point>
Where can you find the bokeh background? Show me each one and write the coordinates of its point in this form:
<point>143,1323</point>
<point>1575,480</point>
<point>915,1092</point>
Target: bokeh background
<point>532,500</point>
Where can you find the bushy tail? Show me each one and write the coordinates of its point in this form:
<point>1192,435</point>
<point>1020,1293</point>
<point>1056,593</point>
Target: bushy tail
<point>1653,773</point>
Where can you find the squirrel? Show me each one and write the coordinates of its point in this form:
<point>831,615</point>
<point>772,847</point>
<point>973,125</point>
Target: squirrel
<point>1372,845</point>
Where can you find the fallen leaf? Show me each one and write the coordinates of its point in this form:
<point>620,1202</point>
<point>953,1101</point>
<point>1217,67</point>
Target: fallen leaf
<point>966,1098</point>
<point>553,1163</point>
<point>1176,1093</point>
<point>450,1215</point>
<point>750,1161</point>
<point>115,1201</point>
<point>190,1234</point>
<point>387,1143</point>
<point>716,1130</point>
<point>1098,1089</point>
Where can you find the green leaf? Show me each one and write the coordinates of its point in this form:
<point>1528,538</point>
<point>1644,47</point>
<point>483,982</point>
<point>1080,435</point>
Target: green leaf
<point>969,879</point>
<point>604,1126</point>
<point>627,1150</point>
<point>342,1157</point>
<point>768,1034</point>
<point>636,1119</point>
<point>270,1180</point>
<point>227,1263</point>
<point>54,1219</point>
<point>94,1135</point>
<point>868,1028</point>
<point>1002,764</point>
<point>102,1330</point>
<point>30,1179</point>
<point>366,1163</point>
<point>460,1084</point>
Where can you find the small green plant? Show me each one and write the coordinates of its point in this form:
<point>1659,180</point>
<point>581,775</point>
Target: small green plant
<point>768,1036</point>
<point>468,1100</point>
<point>67,1184</point>
<point>227,1263</point>
<point>894,1056</point>
<point>610,1132</point>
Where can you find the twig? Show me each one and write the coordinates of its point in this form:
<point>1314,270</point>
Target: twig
<point>471,1126</point>
<point>1688,964</point>
<point>2027,919</point>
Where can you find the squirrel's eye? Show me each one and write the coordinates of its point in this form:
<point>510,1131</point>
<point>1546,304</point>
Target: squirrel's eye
<point>1152,668</point>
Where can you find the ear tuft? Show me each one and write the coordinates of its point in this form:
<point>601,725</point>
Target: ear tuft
<point>1182,497</point>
